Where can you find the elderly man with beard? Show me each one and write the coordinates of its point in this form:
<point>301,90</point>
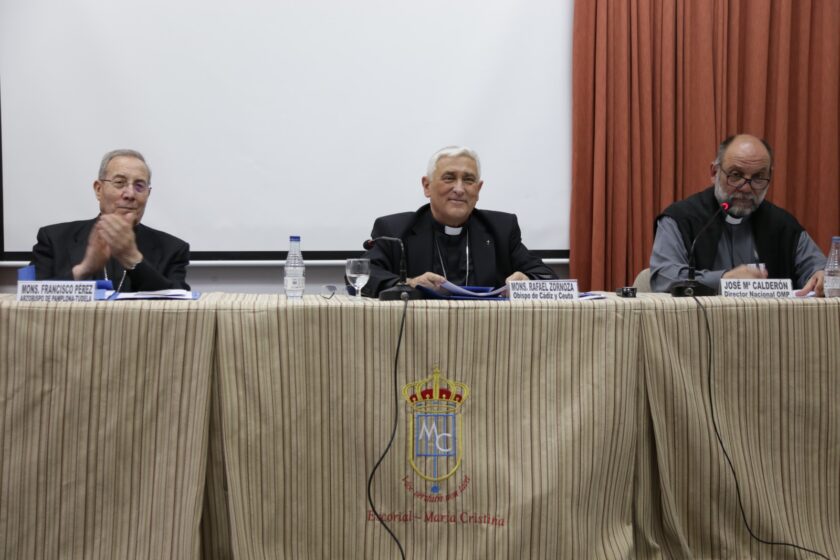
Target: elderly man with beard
<point>752,233</point>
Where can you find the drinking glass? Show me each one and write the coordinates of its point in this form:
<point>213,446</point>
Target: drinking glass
<point>358,273</point>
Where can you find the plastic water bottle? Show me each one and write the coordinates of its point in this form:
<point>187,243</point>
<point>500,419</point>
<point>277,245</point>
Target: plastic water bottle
<point>294,273</point>
<point>832,269</point>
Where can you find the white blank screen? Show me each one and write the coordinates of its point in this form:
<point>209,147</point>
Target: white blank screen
<point>262,119</point>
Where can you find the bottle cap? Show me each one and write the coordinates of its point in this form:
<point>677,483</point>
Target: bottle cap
<point>294,238</point>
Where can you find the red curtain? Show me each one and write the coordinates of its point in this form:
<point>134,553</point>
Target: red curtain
<point>657,84</point>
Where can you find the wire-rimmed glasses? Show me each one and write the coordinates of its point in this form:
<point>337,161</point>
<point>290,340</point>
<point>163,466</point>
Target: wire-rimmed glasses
<point>736,180</point>
<point>140,187</point>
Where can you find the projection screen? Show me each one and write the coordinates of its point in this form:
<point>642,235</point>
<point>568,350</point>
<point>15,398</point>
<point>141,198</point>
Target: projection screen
<point>262,119</point>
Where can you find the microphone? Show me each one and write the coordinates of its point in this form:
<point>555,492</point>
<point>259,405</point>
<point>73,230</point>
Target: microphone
<point>402,291</point>
<point>692,287</point>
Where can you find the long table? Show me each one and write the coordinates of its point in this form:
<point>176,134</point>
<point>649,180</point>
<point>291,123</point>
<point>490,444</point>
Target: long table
<point>244,426</point>
<point>103,428</point>
<point>772,378</point>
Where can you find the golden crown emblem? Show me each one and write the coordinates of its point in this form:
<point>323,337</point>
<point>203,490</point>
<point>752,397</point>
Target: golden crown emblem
<point>435,394</point>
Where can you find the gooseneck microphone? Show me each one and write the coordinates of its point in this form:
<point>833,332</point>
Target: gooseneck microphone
<point>402,291</point>
<point>692,287</point>
<point>368,245</point>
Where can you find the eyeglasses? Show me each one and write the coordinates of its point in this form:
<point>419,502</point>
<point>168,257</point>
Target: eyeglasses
<point>140,187</point>
<point>736,179</point>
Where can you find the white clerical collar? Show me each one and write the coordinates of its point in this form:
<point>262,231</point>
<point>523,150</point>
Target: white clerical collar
<point>452,230</point>
<point>733,220</point>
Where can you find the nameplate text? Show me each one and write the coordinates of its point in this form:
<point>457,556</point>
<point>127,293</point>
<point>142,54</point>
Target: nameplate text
<point>56,290</point>
<point>543,290</point>
<point>756,287</point>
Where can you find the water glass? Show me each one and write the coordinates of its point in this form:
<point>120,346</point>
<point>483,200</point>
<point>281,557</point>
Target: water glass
<point>358,273</point>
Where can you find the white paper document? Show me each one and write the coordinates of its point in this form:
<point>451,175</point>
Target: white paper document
<point>154,294</point>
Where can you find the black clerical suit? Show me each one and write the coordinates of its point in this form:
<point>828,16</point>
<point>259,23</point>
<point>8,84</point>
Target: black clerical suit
<point>60,247</point>
<point>495,242</point>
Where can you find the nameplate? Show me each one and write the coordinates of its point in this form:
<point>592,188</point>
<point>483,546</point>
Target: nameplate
<point>756,288</point>
<point>542,290</point>
<point>56,290</point>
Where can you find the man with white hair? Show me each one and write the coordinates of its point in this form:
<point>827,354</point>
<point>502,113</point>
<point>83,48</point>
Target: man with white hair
<point>448,239</point>
<point>114,245</point>
<point>752,239</point>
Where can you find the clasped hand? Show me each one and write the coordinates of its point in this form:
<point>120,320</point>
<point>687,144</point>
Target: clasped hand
<point>112,236</point>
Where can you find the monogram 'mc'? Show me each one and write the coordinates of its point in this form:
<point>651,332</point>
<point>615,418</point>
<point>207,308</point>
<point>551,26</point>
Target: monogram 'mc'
<point>435,426</point>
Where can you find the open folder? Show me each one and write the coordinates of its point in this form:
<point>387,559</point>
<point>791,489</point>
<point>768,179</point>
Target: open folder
<point>451,291</point>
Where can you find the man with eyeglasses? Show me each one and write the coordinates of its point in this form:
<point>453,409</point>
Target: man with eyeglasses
<point>448,239</point>
<point>753,239</point>
<point>115,245</point>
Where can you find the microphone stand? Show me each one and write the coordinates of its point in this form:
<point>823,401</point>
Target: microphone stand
<point>401,291</point>
<point>691,287</point>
